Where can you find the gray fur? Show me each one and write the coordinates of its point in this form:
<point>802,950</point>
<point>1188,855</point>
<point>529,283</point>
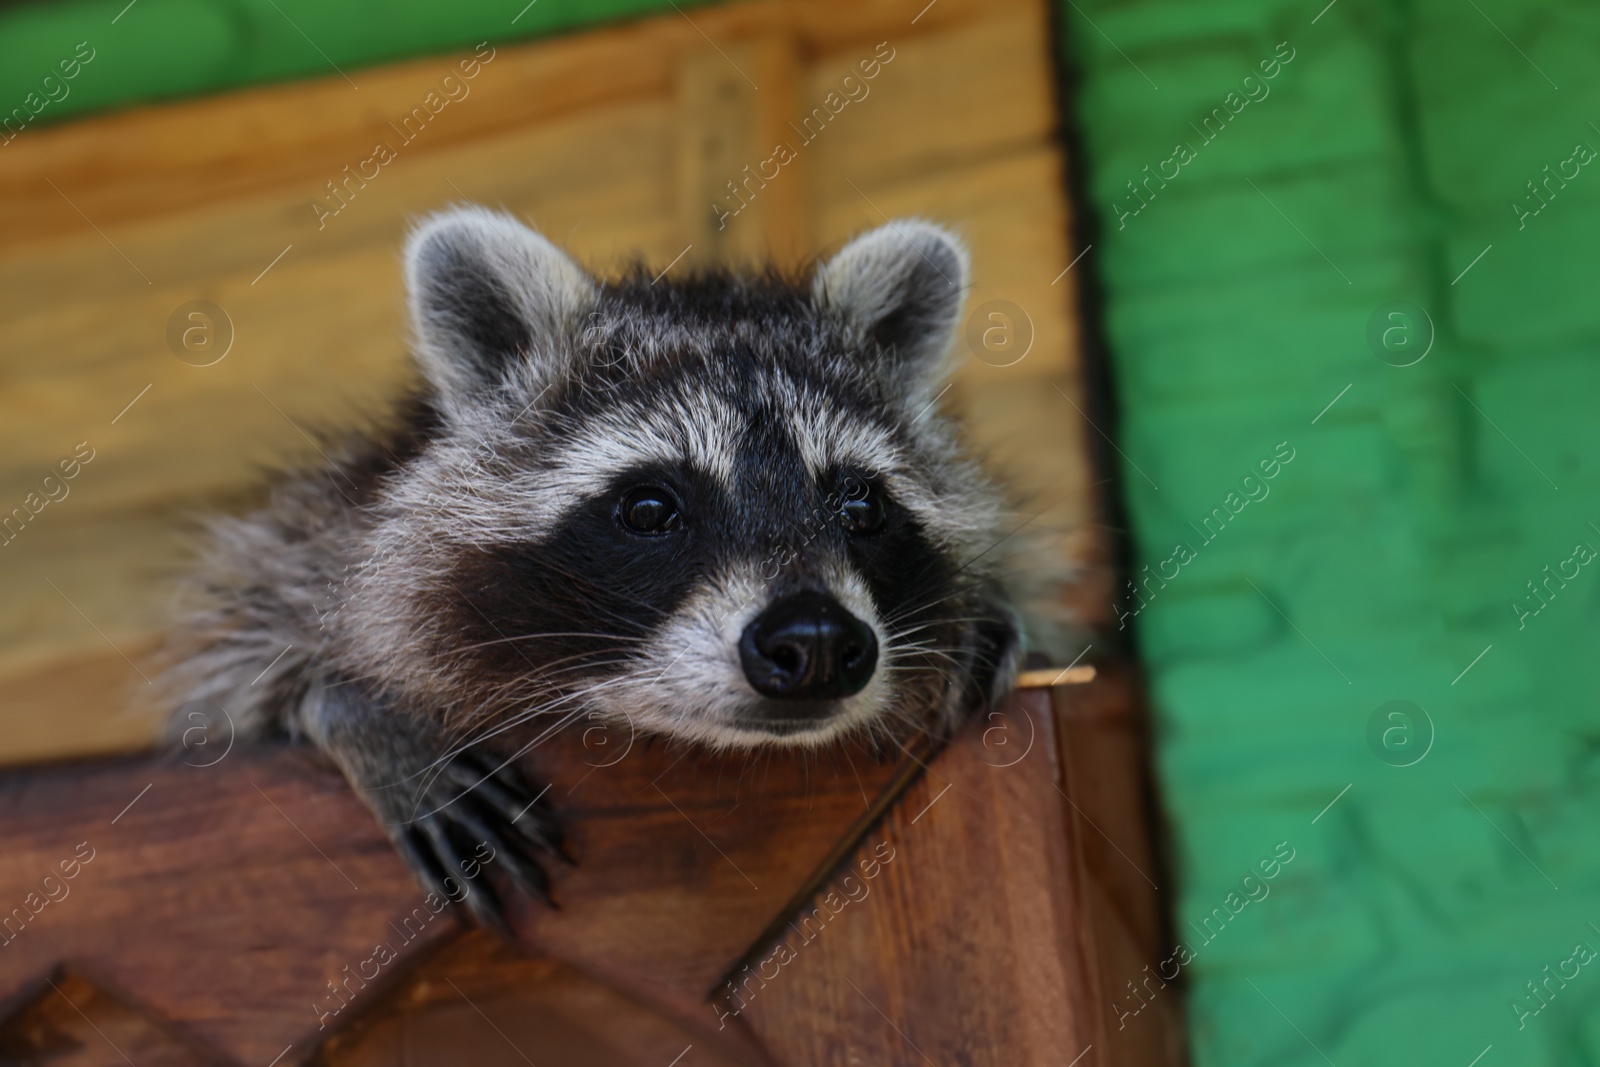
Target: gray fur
<point>540,388</point>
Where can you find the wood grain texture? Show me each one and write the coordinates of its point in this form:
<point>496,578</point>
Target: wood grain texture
<point>956,911</point>
<point>1105,749</point>
<point>478,1001</point>
<point>603,139</point>
<point>219,902</point>
<point>969,945</point>
<point>169,159</point>
<point>71,1022</point>
<point>733,110</point>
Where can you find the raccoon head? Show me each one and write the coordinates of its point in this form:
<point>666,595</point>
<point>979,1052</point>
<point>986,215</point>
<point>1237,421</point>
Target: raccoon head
<point>724,509</point>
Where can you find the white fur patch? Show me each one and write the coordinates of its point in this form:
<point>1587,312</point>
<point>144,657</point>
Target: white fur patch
<point>454,253</point>
<point>827,439</point>
<point>691,684</point>
<point>705,437</point>
<point>907,267</point>
<point>462,491</point>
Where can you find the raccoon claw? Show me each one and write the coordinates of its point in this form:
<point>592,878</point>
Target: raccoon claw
<point>429,850</point>
<point>502,791</point>
<point>481,814</point>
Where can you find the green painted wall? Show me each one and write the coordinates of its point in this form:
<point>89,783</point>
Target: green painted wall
<point>1377,165</point>
<point>160,49</point>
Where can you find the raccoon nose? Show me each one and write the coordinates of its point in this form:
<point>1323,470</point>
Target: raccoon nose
<point>808,647</point>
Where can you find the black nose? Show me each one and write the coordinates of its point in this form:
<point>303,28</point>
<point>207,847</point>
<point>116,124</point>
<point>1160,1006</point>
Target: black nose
<point>808,647</point>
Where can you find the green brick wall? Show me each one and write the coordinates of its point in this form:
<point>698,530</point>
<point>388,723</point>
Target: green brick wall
<point>1388,554</point>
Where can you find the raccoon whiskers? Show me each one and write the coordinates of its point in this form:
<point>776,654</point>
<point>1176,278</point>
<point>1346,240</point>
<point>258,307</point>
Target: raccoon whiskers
<point>902,654</point>
<point>544,702</point>
<point>546,708</point>
<point>541,636</point>
<point>566,719</point>
<point>952,622</point>
<point>916,670</point>
<point>971,588</point>
<point>439,768</point>
<point>536,691</point>
<point>898,644</point>
<point>540,680</point>
<point>884,729</point>
<point>541,702</point>
<point>922,615</point>
<point>923,655</point>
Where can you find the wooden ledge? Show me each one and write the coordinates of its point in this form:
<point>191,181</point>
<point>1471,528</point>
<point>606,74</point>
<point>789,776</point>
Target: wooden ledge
<point>252,909</point>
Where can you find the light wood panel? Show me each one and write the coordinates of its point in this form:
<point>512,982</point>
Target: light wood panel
<point>612,142</point>
<point>733,110</point>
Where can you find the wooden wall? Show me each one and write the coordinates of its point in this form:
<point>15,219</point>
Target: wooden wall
<point>615,143</point>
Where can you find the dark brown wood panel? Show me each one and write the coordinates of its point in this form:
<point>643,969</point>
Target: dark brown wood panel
<point>815,908</point>
<point>969,945</point>
<point>221,901</point>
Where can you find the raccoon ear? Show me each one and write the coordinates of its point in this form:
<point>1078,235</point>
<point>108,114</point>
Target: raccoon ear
<point>487,291</point>
<point>903,284</point>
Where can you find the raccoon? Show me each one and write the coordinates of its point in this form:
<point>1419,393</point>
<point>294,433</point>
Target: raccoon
<point>723,510</point>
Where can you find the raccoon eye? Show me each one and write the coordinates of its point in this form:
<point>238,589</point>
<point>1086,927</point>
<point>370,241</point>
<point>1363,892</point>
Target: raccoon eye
<point>862,512</point>
<point>648,509</point>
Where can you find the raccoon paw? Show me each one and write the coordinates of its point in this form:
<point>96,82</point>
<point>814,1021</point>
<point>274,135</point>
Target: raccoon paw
<point>476,815</point>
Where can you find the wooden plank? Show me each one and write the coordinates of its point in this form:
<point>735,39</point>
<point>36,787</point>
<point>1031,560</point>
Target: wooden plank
<point>956,934</point>
<point>318,342</point>
<point>1104,746</point>
<point>173,158</point>
<point>71,1022</point>
<point>88,329</point>
<point>969,909</point>
<point>221,908</point>
<point>1011,211</point>
<point>478,1001</point>
<point>293,138</point>
<point>739,201</point>
<point>106,564</point>
<point>834,26</point>
<point>227,896</point>
<point>948,98</point>
<point>77,705</point>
